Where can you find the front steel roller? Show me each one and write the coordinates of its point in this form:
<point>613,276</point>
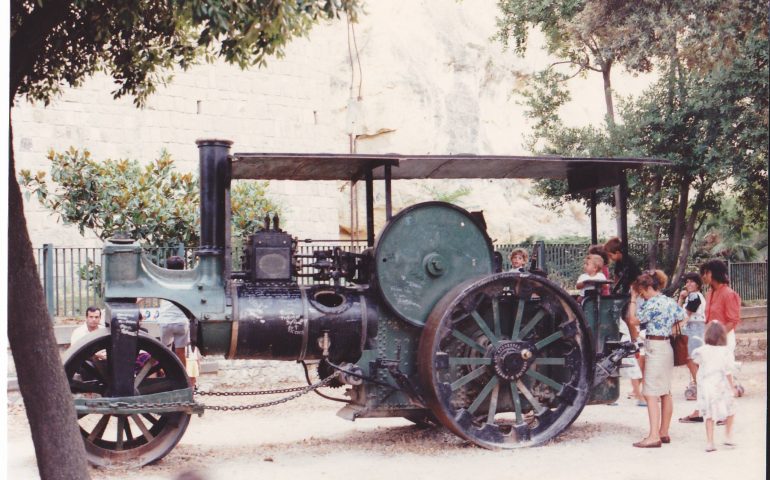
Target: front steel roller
<point>505,360</point>
<point>130,440</point>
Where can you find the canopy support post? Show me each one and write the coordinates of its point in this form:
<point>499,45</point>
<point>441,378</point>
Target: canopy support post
<point>621,194</point>
<point>594,230</point>
<point>388,194</point>
<point>369,207</point>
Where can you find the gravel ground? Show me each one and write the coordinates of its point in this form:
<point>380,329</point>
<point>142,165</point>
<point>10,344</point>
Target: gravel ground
<point>305,438</point>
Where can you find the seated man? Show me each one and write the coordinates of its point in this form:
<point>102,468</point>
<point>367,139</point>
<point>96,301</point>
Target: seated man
<point>93,323</point>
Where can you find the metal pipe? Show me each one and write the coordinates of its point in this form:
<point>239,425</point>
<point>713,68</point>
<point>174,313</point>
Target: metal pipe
<point>369,207</point>
<point>388,194</point>
<point>214,181</point>
<point>622,198</point>
<point>594,229</point>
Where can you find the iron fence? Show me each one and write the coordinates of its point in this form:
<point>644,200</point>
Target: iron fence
<point>71,276</point>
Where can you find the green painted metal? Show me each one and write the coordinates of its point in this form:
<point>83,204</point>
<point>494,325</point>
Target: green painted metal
<point>602,314</point>
<point>396,341</point>
<point>164,402</point>
<point>425,251</point>
<point>215,336</point>
<point>127,273</point>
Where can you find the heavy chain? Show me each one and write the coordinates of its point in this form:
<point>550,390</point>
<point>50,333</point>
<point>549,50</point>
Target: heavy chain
<point>246,394</point>
<point>300,391</point>
<point>127,408</point>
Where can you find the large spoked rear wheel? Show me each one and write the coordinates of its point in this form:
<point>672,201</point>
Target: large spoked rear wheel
<point>506,360</point>
<point>127,440</point>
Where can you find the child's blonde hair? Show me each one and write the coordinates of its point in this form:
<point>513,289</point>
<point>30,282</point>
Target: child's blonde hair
<point>596,260</point>
<point>519,251</point>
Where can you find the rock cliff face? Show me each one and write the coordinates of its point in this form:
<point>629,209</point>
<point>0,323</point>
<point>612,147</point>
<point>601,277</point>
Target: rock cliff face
<point>423,77</point>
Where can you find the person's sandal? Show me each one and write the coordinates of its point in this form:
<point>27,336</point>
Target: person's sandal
<point>665,439</point>
<point>691,419</point>
<point>647,445</point>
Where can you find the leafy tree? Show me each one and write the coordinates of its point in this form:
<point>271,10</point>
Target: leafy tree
<point>707,113</point>
<point>153,203</point>
<point>731,234</point>
<point>58,43</point>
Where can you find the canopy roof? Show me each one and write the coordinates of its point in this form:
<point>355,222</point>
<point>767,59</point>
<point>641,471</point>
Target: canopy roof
<point>332,166</point>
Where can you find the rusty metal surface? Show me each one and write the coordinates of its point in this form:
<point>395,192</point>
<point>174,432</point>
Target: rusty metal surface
<point>333,166</point>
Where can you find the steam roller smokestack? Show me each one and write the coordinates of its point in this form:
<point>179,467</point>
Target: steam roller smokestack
<point>214,180</point>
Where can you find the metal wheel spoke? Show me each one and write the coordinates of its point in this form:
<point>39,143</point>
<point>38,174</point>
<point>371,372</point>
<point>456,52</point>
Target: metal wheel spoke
<point>547,380</point>
<point>493,403</point>
<point>145,432</point>
<point>468,341</point>
<point>98,430</point>
<point>142,373</point>
<point>517,320</point>
<point>119,437</point>
<point>516,403</point>
<point>129,433</point>
<point>483,395</point>
<point>156,385</point>
<point>530,398</point>
<point>470,361</point>
<point>550,361</point>
<point>532,323</point>
<point>483,326</point>
<point>549,339</point>
<point>496,316</point>
<point>150,418</point>
<point>467,378</point>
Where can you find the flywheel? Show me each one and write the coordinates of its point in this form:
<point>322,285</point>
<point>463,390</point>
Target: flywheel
<point>425,251</point>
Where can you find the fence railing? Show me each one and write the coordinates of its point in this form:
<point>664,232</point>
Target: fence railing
<point>71,276</point>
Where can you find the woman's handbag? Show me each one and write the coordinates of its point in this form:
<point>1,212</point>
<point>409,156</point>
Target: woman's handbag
<point>679,345</point>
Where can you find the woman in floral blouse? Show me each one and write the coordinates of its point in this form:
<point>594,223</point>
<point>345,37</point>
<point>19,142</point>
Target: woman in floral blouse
<point>659,313</point>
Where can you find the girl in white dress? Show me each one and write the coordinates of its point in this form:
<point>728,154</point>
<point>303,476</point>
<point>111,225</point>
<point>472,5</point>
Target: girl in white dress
<point>715,383</point>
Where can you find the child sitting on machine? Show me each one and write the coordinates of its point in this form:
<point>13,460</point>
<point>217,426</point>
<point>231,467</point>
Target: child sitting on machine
<point>518,258</point>
<point>592,268</point>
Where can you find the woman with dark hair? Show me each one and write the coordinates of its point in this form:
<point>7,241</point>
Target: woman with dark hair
<point>659,314</point>
<point>625,271</point>
<point>694,304</point>
<point>723,304</point>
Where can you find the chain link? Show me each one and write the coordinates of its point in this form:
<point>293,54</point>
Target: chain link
<point>299,392</point>
<point>246,394</point>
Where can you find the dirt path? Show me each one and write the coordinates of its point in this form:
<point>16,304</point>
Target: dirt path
<point>306,440</point>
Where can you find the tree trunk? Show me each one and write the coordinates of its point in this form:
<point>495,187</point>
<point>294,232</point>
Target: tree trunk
<point>58,444</point>
<point>606,70</point>
<point>680,219</point>
<point>652,247</point>
<point>688,236</point>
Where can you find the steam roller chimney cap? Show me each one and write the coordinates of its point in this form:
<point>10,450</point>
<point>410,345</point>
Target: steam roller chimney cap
<point>213,142</point>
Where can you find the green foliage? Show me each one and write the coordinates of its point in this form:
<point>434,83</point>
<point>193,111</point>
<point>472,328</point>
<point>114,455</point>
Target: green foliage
<point>249,203</point>
<point>154,203</point>
<point>731,234</point>
<point>137,42</point>
<point>450,196</point>
<point>708,113</point>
